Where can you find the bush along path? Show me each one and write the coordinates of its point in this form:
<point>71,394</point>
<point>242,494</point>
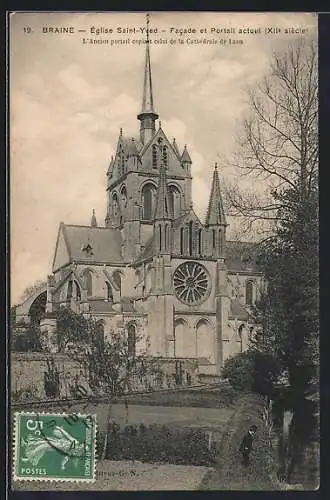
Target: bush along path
<point>229,473</point>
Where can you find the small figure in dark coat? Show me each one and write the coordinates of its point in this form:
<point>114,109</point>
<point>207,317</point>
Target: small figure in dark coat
<point>246,444</point>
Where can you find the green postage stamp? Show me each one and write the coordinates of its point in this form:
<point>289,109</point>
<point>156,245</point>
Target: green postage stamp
<point>54,446</point>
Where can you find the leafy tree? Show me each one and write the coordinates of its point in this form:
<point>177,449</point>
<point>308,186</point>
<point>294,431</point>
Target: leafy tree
<point>279,146</point>
<point>109,363</point>
<point>252,371</point>
<point>29,340</point>
<point>72,327</point>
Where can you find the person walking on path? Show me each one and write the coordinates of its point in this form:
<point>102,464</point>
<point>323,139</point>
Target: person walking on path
<point>246,444</point>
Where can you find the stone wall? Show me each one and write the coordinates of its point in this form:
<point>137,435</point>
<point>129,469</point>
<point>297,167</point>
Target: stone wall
<point>27,375</point>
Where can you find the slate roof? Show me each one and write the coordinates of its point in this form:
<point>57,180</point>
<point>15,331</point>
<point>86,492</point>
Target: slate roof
<point>131,146</point>
<point>105,243</point>
<point>147,252</point>
<point>240,255</point>
<point>191,215</point>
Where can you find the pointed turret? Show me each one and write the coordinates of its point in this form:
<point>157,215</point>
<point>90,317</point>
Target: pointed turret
<point>162,210</point>
<point>148,116</point>
<point>93,219</point>
<point>215,213</point>
<point>216,219</point>
<point>185,158</point>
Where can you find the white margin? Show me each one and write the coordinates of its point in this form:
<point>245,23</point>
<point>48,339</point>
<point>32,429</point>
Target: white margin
<point>52,479</point>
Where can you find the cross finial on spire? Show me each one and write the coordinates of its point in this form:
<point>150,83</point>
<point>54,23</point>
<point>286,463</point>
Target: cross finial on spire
<point>147,115</point>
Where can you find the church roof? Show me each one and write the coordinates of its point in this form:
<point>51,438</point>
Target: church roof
<point>104,243</point>
<point>147,252</point>
<point>189,215</point>
<point>130,145</point>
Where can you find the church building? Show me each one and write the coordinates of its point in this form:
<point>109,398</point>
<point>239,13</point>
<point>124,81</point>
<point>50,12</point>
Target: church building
<point>173,284</point>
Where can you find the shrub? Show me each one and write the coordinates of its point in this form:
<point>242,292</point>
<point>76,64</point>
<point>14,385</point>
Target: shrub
<point>158,444</point>
<point>29,341</point>
<point>252,371</point>
<point>238,371</point>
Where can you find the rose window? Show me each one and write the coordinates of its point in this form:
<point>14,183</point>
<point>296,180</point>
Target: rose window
<point>191,282</point>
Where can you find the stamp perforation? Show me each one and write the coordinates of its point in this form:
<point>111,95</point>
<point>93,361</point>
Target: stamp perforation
<point>16,444</point>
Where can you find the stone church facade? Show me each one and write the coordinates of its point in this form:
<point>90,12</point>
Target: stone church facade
<point>171,283</point>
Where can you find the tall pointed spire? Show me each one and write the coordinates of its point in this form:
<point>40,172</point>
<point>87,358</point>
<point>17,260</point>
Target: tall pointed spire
<point>215,213</point>
<point>162,209</point>
<point>148,116</point>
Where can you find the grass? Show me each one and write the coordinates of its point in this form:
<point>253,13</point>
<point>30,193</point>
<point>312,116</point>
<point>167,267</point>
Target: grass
<point>229,473</point>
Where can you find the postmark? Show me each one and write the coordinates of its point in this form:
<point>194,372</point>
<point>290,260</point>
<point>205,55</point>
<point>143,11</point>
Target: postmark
<point>54,447</point>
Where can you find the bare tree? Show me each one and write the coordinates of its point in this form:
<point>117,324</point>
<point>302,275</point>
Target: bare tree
<point>30,290</point>
<point>278,143</point>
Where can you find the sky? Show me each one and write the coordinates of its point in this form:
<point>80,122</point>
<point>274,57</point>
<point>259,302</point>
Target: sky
<point>68,101</point>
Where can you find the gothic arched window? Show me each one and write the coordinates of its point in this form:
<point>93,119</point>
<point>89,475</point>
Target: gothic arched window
<point>115,204</point>
<point>89,282</point>
<point>117,279</point>
<point>154,156</point>
<point>200,242</point>
<point>165,157</point>
<point>213,239</point>
<point>190,238</point>
<point>249,293</point>
<point>148,192</point>
<point>174,199</point>
<point>69,290</point>
<point>131,340</point>
<point>160,237</point>
<point>77,290</point>
<point>123,196</point>
<point>109,292</point>
<point>166,237</point>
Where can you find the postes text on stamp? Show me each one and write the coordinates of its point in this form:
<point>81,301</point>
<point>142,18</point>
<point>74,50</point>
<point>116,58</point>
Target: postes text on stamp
<point>53,446</point>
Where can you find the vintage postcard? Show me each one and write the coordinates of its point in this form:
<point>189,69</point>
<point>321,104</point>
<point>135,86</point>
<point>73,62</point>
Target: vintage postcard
<point>164,322</point>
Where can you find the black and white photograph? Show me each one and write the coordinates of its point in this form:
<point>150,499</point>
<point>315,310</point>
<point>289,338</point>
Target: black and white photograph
<point>164,214</point>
